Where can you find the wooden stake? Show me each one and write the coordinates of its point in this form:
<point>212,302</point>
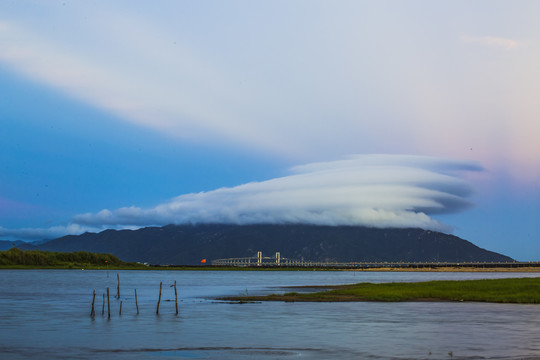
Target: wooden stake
<point>118,286</point>
<point>103,306</point>
<point>136,303</point>
<point>108,305</point>
<point>93,312</point>
<point>175,297</point>
<point>120,313</point>
<point>159,299</point>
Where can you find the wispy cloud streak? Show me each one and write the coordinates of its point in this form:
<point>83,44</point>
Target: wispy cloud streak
<point>46,233</point>
<point>492,41</point>
<point>172,98</point>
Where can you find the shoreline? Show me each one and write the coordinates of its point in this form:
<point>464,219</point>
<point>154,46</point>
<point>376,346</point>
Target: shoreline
<point>140,267</point>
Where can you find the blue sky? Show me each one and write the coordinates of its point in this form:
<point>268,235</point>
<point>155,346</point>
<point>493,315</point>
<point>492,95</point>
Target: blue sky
<point>129,114</point>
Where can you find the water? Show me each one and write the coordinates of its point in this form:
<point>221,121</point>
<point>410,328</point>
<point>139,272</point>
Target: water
<point>44,314</point>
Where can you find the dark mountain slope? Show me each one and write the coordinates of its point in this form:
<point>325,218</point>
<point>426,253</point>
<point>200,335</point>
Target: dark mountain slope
<point>7,244</point>
<point>188,244</point>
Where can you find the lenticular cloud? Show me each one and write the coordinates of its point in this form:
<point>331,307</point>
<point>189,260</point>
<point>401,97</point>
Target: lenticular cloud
<point>368,190</point>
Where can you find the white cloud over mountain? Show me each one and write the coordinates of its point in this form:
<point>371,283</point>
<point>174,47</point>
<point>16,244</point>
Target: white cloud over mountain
<point>369,190</point>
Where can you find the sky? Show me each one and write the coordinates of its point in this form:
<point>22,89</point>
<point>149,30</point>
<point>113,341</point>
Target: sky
<point>128,114</point>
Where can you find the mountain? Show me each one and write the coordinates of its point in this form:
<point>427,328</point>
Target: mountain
<point>7,244</point>
<point>188,244</point>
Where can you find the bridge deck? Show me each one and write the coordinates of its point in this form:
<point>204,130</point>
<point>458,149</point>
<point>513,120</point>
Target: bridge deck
<point>271,262</point>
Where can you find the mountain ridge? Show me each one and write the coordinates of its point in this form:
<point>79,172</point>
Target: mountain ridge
<point>188,244</point>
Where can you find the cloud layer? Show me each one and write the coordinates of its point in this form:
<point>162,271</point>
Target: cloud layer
<point>268,77</point>
<point>369,190</point>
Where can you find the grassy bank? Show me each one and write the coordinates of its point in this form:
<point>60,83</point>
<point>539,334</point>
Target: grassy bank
<point>33,259</point>
<point>517,290</point>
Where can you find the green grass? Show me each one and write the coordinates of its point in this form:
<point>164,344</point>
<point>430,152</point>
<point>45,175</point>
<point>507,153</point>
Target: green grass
<point>34,259</point>
<point>514,290</point>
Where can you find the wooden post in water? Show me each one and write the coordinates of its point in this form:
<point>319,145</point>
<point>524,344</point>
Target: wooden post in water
<point>93,312</point>
<point>120,313</point>
<point>136,303</point>
<point>108,305</point>
<point>103,306</point>
<point>175,297</point>
<point>118,286</point>
<point>159,299</point>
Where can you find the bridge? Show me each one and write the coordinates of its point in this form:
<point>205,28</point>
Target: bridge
<point>278,261</point>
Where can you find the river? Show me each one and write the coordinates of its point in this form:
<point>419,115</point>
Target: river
<point>44,314</point>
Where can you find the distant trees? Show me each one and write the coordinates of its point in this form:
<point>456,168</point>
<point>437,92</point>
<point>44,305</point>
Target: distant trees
<point>15,256</point>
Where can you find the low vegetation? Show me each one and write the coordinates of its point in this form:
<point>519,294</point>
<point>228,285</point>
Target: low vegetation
<point>16,258</point>
<point>514,290</point>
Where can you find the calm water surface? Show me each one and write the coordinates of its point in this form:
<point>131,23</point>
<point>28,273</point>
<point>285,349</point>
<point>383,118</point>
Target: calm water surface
<point>44,314</point>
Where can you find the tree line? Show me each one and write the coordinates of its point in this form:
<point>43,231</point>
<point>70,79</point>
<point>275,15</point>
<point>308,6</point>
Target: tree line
<point>18,257</point>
